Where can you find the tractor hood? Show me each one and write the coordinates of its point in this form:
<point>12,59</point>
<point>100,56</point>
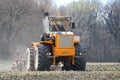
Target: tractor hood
<point>64,33</point>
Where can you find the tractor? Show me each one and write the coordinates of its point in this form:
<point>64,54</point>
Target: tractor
<point>57,44</point>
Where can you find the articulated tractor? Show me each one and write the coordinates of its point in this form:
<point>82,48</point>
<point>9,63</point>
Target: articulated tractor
<point>57,45</point>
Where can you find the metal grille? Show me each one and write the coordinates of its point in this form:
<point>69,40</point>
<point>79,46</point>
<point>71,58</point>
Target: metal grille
<point>66,42</point>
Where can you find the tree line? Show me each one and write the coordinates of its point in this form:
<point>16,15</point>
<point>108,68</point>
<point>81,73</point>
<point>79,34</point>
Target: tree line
<point>98,25</point>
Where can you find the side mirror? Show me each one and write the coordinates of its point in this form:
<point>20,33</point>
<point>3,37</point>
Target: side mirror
<point>73,25</point>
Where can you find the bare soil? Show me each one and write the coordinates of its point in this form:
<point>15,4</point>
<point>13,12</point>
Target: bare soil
<point>94,71</point>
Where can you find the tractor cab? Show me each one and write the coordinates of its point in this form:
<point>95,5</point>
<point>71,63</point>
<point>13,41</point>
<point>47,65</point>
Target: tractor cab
<point>59,24</point>
<point>54,24</point>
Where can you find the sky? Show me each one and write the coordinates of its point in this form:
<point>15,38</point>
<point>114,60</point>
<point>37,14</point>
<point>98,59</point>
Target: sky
<point>65,2</point>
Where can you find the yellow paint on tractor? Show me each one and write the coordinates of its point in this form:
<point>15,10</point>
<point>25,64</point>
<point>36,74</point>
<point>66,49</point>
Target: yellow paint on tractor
<point>57,51</point>
<point>64,52</point>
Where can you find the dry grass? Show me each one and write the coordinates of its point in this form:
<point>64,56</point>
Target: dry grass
<point>94,71</point>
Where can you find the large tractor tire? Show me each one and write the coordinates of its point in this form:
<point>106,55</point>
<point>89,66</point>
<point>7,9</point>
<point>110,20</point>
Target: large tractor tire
<point>30,59</point>
<point>42,62</point>
<point>80,61</point>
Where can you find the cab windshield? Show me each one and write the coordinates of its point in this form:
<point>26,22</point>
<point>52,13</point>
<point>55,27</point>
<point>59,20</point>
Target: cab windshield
<point>59,25</point>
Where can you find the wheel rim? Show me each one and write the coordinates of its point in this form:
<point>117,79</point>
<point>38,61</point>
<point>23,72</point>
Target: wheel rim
<point>28,59</point>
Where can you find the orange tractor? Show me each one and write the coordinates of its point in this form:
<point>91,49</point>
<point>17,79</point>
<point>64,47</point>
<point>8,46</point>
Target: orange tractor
<point>57,44</point>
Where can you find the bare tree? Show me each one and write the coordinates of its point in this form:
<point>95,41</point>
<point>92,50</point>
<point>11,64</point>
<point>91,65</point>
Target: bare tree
<point>20,23</point>
<point>112,19</point>
<point>97,27</point>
